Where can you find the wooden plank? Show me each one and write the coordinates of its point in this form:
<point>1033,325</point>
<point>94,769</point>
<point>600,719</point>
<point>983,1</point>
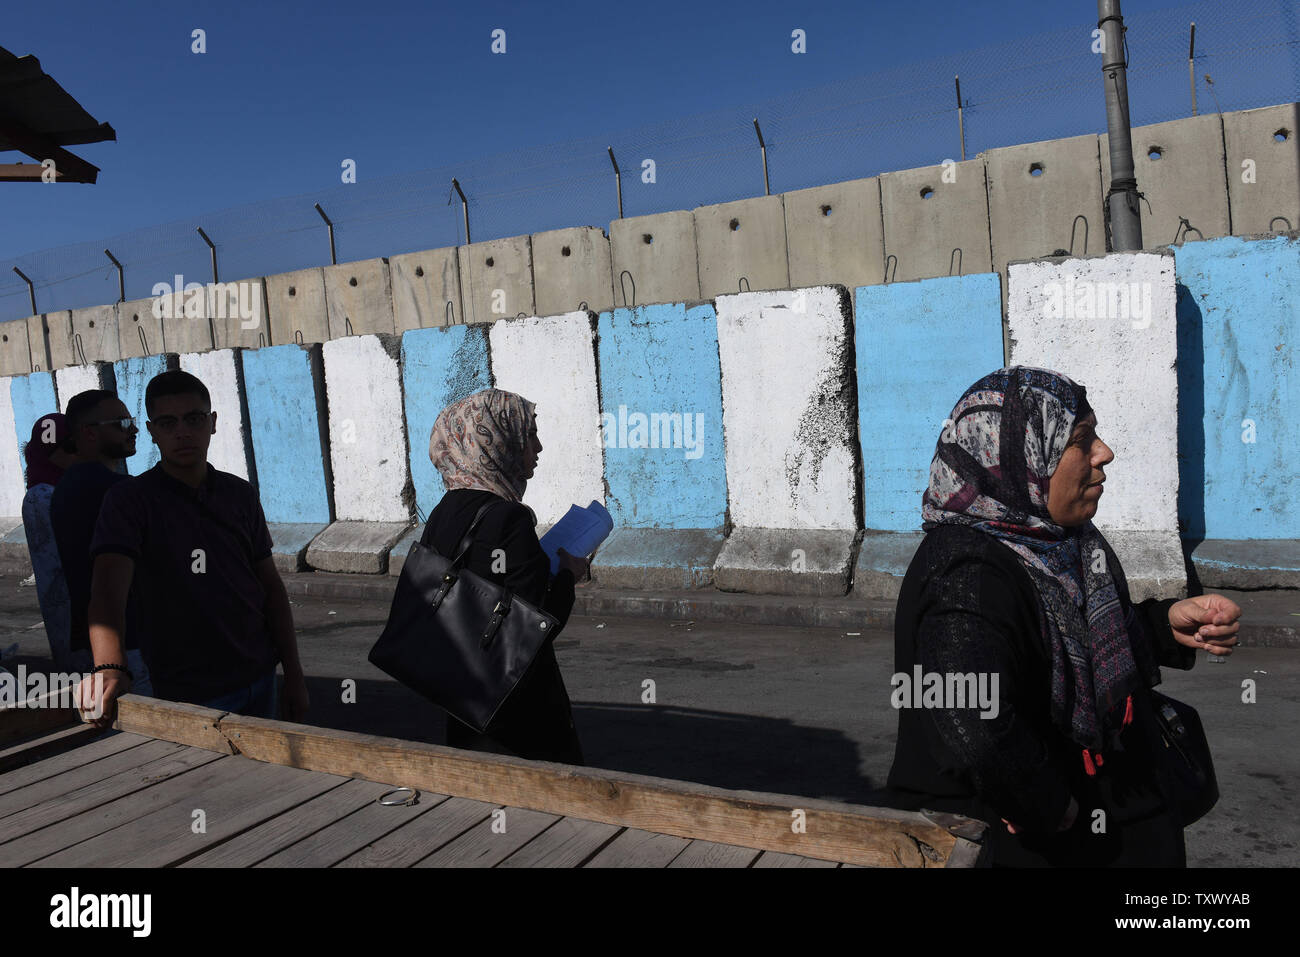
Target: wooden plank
<point>86,825</point>
<point>41,714</point>
<point>638,848</point>
<point>111,743</point>
<point>709,854</point>
<point>349,834</point>
<point>173,721</point>
<point>260,842</point>
<point>406,846</point>
<point>37,748</point>
<point>776,859</point>
<point>240,795</point>
<point>880,837</point>
<point>567,843</point>
<point>487,844</point>
<point>61,789</point>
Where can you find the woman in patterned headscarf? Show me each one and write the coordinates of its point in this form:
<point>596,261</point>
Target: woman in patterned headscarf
<point>1013,580</point>
<point>485,447</point>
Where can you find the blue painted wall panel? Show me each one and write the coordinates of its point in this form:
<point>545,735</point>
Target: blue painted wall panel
<point>132,377</point>
<point>919,345</point>
<point>439,367</point>
<point>662,359</point>
<point>283,414</point>
<point>1239,392</point>
<point>32,397</point>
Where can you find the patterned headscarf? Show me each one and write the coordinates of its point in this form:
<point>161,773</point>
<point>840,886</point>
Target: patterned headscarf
<point>991,470</point>
<point>40,470</point>
<point>481,442</point>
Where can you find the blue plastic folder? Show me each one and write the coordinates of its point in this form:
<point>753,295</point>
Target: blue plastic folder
<point>580,532</point>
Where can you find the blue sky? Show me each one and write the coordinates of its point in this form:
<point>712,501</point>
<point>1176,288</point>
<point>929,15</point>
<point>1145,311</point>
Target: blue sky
<point>286,91</point>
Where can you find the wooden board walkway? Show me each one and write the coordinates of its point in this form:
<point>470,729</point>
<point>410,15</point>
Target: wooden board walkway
<point>179,785</point>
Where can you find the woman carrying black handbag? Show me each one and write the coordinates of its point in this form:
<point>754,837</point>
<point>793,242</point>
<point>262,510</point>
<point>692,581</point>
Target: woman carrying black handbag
<point>486,447</point>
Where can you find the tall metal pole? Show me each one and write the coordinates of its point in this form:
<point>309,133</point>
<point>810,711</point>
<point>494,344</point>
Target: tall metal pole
<point>961,120</point>
<point>1122,210</point>
<point>1191,65</point>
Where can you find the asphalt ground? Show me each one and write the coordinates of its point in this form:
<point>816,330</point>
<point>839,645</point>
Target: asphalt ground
<point>791,710</point>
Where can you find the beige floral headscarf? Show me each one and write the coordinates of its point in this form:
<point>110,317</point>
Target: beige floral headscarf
<point>481,442</point>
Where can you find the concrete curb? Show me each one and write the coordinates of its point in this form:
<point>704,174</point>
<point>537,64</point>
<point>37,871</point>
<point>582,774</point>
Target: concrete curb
<point>1272,618</point>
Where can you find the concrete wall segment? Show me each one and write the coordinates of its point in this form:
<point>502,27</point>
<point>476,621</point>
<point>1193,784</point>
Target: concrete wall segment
<point>655,258</point>
<point>358,298</point>
<point>367,433</point>
<point>571,267</point>
<point>551,361</point>
<point>425,289</point>
<point>742,246</point>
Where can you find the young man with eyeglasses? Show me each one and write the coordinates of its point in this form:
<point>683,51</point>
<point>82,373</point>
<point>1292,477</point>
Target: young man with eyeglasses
<point>192,543</point>
<point>101,434</point>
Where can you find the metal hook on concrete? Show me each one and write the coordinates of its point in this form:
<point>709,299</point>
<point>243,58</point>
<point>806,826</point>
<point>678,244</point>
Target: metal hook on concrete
<point>887,272</point>
<point>1085,233</point>
<point>583,307</point>
<point>78,348</point>
<point>1270,226</point>
<point>261,340</point>
<point>449,314</point>
<point>958,255</point>
<point>144,343</point>
<point>297,337</point>
<point>1185,227</point>
<point>745,286</point>
<point>623,289</point>
<point>347,327</point>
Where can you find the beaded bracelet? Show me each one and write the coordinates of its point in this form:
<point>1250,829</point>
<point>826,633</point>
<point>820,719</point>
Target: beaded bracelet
<point>122,668</point>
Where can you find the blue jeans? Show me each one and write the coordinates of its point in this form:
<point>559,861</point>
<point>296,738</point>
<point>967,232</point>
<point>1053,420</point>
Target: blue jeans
<point>261,699</point>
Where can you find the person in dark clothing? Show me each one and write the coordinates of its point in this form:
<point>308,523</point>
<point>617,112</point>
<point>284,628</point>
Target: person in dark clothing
<point>102,435</point>
<point>486,447</point>
<point>1013,582</point>
<point>192,543</point>
<point>47,454</point>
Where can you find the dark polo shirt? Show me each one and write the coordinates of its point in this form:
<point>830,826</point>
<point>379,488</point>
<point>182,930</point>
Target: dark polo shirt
<point>74,510</point>
<point>203,629</point>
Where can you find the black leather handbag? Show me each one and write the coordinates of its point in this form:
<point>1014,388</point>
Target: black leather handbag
<point>1183,759</point>
<point>458,639</point>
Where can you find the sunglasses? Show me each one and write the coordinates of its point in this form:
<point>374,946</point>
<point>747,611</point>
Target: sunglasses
<point>125,424</point>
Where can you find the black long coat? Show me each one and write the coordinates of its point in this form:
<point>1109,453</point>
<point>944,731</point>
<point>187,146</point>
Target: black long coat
<point>968,605</point>
<point>536,720</point>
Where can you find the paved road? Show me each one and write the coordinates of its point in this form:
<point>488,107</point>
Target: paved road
<point>792,710</point>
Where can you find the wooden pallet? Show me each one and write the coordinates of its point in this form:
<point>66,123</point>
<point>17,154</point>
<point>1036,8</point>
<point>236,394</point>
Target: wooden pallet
<point>182,785</point>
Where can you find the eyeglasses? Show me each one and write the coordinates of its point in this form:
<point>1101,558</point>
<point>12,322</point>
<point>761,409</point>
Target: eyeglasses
<point>193,420</point>
<point>125,424</point>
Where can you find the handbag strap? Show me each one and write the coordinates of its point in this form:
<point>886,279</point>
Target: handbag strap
<point>468,538</point>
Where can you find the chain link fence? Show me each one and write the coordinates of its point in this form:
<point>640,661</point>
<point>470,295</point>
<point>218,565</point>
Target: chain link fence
<point>1046,86</point>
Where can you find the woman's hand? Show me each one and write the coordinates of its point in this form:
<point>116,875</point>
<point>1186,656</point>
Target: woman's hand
<point>1206,621</point>
<point>581,567</point>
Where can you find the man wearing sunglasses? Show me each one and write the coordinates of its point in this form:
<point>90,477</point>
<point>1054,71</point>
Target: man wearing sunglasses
<point>191,543</point>
<point>102,435</point>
